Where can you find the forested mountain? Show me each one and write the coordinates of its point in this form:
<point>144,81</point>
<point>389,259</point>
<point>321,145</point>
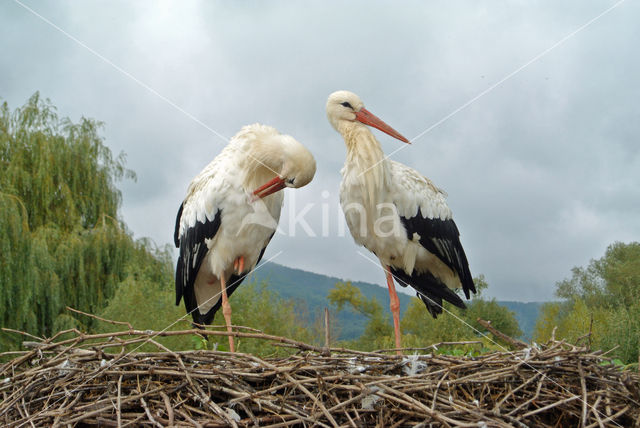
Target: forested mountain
<point>526,314</point>
<point>311,291</point>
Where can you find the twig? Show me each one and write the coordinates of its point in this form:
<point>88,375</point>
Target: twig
<point>149,415</point>
<point>100,318</point>
<point>167,404</point>
<point>119,404</point>
<point>585,398</point>
<point>327,334</point>
<point>518,344</point>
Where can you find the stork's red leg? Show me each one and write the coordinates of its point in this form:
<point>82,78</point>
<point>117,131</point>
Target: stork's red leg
<point>226,311</point>
<point>395,308</point>
<point>238,265</point>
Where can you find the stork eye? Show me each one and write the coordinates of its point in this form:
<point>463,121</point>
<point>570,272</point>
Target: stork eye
<point>291,180</point>
<point>346,104</point>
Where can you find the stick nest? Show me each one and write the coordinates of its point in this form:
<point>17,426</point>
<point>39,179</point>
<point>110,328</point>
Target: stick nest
<point>93,380</point>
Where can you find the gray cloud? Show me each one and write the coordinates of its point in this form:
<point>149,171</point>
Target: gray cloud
<point>542,171</point>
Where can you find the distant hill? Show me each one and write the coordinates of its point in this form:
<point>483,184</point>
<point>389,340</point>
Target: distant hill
<point>526,314</point>
<point>311,290</point>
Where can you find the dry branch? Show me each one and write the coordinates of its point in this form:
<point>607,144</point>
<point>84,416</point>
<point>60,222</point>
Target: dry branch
<point>518,344</point>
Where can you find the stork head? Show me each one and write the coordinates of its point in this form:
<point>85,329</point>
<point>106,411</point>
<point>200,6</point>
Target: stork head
<point>345,110</point>
<point>294,162</point>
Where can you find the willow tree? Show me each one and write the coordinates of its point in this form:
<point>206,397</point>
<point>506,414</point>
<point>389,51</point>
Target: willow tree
<point>61,243</point>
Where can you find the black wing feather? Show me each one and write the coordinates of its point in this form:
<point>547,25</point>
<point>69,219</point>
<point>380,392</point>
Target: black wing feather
<point>442,238</point>
<point>176,232</point>
<point>193,249</point>
<point>430,290</point>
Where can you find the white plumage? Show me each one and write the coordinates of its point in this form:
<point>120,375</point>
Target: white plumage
<point>396,213</point>
<point>229,214</point>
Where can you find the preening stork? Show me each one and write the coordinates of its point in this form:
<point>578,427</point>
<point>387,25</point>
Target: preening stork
<point>229,216</point>
<point>397,214</point>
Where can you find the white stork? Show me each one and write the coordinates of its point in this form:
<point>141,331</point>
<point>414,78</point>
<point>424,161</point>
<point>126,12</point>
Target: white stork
<point>397,214</point>
<point>230,214</point>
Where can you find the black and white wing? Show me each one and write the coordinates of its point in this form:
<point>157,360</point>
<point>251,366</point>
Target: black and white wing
<point>190,237</point>
<point>426,216</point>
<point>197,223</point>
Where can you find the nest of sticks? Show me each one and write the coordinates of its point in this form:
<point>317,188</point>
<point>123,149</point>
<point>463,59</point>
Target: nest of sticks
<point>92,380</point>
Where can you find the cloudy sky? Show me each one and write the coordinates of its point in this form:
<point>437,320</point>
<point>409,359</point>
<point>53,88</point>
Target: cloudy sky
<point>530,107</point>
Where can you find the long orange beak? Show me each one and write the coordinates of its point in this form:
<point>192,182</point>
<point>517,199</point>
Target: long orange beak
<point>269,187</point>
<point>368,118</point>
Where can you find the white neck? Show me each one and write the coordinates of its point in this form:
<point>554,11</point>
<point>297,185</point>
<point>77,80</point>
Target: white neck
<point>365,158</point>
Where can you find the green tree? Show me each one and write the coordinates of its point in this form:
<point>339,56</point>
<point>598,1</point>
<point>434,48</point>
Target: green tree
<point>602,298</point>
<point>60,240</point>
<point>420,329</point>
<point>501,317</point>
<point>379,330</point>
<point>457,324</point>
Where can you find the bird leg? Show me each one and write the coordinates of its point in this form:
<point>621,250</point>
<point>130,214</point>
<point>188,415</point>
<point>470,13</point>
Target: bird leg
<point>226,311</point>
<point>395,308</point>
<point>238,265</point>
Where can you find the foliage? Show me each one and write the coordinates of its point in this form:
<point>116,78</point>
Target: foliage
<point>61,171</point>
<point>378,332</point>
<point>61,243</point>
<point>457,324</point>
<point>500,316</point>
<point>257,306</point>
<point>146,299</point>
<point>603,299</point>
<point>252,304</point>
<point>419,329</point>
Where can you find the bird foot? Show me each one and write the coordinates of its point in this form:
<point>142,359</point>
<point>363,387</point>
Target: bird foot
<point>238,265</point>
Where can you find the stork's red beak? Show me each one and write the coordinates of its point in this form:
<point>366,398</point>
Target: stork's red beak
<point>270,187</point>
<point>368,118</point>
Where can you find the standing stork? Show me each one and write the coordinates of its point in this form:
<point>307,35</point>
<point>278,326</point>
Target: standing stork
<point>229,216</point>
<point>397,214</point>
